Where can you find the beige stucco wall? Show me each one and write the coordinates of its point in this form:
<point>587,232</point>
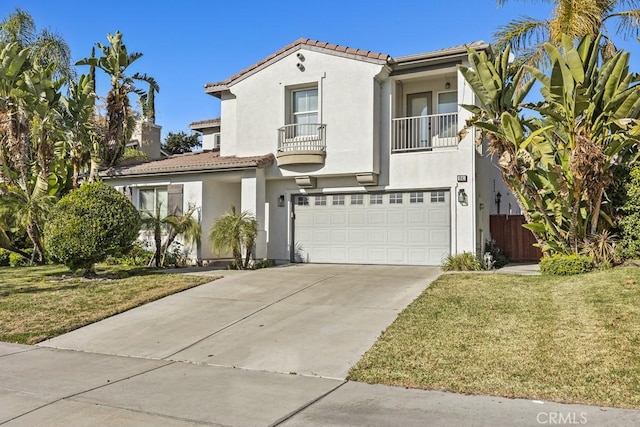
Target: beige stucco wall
<point>257,107</point>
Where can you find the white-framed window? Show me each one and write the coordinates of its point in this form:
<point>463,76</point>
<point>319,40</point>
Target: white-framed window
<point>416,197</point>
<point>357,199</point>
<point>337,200</point>
<point>447,104</point>
<point>150,198</point>
<point>320,201</point>
<point>375,199</point>
<point>304,111</point>
<point>302,200</point>
<point>437,197</point>
<point>395,198</point>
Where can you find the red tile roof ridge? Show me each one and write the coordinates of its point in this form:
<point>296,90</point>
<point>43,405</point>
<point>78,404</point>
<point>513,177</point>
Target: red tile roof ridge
<point>364,54</point>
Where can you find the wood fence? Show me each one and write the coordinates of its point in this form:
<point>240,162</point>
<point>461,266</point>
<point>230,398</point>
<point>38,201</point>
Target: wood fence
<point>516,241</point>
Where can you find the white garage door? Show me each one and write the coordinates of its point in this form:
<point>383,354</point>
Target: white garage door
<point>410,228</point>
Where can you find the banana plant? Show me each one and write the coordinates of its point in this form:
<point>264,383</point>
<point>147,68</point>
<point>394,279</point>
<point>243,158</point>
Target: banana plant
<point>560,161</point>
<point>115,61</point>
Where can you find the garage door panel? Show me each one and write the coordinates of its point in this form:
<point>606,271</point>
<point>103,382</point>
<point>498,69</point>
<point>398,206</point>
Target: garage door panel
<point>438,217</point>
<point>396,255</point>
<point>357,255</point>
<point>396,237</point>
<point>417,255</point>
<point>396,217</point>
<point>339,218</point>
<point>377,217</point>
<point>377,236</point>
<point>358,218</point>
<point>338,236</point>
<point>416,217</point>
<point>417,236</point>
<point>402,233</point>
<point>321,219</point>
<point>439,238</point>
<point>358,237</point>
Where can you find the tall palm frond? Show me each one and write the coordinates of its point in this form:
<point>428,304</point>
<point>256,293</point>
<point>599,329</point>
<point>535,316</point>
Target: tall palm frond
<point>573,18</point>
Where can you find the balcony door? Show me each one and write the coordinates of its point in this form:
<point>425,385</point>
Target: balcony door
<point>447,114</point>
<point>419,107</point>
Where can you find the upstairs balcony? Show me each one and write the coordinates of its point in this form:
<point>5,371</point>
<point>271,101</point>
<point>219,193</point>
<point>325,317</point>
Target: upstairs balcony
<point>424,133</point>
<point>301,143</point>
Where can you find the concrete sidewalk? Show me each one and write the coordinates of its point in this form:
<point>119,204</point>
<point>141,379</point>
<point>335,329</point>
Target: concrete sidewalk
<point>49,387</point>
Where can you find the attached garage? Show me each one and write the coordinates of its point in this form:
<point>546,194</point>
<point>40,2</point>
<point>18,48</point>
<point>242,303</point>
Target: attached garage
<point>412,228</point>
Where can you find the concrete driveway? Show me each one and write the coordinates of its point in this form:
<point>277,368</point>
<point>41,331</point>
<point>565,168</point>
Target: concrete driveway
<point>307,319</point>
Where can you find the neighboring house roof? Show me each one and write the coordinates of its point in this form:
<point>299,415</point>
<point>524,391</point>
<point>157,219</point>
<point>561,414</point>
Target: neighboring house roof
<point>205,124</point>
<point>203,161</point>
<point>350,52</point>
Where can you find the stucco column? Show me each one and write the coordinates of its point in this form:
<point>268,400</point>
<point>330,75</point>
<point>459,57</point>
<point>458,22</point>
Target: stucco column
<point>253,200</point>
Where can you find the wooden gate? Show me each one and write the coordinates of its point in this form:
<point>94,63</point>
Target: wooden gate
<point>516,241</point>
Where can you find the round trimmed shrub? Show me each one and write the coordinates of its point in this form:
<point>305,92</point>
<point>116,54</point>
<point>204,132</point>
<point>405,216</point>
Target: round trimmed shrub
<point>89,224</point>
<point>566,265</point>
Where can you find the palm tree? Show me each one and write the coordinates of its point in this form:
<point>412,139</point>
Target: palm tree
<point>573,18</point>
<point>45,47</point>
<point>115,61</point>
<point>235,233</point>
<point>172,226</point>
<point>181,225</point>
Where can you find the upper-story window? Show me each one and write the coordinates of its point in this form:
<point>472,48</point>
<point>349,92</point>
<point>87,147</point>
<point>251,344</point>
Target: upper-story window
<point>304,111</point>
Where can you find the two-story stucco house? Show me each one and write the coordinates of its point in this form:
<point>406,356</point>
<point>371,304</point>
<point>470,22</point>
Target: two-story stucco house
<point>343,155</point>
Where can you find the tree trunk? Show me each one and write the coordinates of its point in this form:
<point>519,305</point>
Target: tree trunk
<point>34,236</point>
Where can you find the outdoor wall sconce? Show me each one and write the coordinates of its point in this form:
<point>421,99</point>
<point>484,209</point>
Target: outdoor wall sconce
<point>447,85</point>
<point>498,199</point>
<point>462,197</point>
<point>281,201</point>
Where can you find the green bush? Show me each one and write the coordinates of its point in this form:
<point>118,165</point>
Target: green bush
<point>630,222</point>
<point>138,256</point>
<point>175,256</point>
<point>89,224</point>
<point>465,261</point>
<point>566,265</point>
<point>17,260</point>
<point>4,257</point>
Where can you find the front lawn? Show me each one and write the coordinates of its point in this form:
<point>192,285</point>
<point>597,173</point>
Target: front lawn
<point>37,303</point>
<point>574,339</point>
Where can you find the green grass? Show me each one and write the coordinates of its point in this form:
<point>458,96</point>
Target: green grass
<point>37,303</point>
<point>574,339</point>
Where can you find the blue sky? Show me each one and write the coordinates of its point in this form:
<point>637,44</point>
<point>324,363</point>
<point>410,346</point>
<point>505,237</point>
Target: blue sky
<point>188,43</point>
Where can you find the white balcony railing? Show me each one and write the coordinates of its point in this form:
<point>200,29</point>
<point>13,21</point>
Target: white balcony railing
<point>424,132</point>
<point>302,137</point>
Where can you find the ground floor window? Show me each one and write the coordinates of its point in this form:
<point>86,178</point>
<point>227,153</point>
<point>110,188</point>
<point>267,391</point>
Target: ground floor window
<point>150,198</point>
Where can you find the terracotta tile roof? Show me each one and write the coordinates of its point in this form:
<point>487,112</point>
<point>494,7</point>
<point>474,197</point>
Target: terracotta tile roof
<point>202,161</point>
<point>366,55</point>
<point>202,124</point>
